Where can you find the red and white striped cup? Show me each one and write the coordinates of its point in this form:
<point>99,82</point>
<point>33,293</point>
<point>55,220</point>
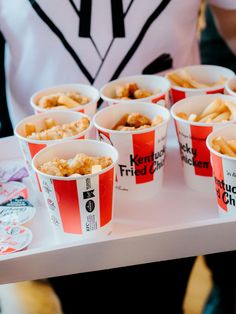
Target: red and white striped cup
<point>224,172</point>
<point>158,85</point>
<point>205,74</point>
<point>230,87</point>
<point>192,140</point>
<point>30,147</point>
<point>86,90</point>
<point>80,205</point>
<point>141,153</point>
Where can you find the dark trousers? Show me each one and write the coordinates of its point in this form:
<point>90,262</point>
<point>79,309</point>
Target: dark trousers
<point>159,287</point>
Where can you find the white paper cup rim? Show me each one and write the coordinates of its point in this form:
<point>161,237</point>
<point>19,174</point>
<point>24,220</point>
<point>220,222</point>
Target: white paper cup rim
<point>97,126</point>
<point>133,77</point>
<point>200,124</point>
<point>60,88</point>
<point>47,115</point>
<point>228,87</point>
<point>215,134</point>
<point>82,177</point>
<point>204,67</point>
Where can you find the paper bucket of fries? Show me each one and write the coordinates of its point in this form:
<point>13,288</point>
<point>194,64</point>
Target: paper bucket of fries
<point>77,179</point>
<point>138,131</point>
<point>195,118</point>
<point>222,146</point>
<point>198,80</point>
<point>145,88</point>
<point>74,97</point>
<point>38,131</point>
<point>230,87</point>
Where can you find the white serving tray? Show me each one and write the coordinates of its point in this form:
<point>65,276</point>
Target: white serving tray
<point>178,223</point>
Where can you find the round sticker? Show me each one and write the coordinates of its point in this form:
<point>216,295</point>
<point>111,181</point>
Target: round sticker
<point>14,238</point>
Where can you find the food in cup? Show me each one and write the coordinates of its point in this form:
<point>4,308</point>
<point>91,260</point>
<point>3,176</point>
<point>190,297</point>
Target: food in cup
<point>183,78</point>
<point>136,121</point>
<point>198,80</point>
<point>63,100</point>
<point>151,88</point>
<point>52,130</point>
<point>217,111</point>
<point>81,164</point>
<point>131,91</point>
<point>224,146</point>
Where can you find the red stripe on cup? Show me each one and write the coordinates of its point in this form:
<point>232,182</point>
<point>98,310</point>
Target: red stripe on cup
<point>81,110</point>
<point>216,91</point>
<point>198,136</point>
<point>68,203</point>
<point>106,182</point>
<point>217,164</point>
<point>162,97</point>
<point>177,95</point>
<point>143,147</point>
<point>35,148</point>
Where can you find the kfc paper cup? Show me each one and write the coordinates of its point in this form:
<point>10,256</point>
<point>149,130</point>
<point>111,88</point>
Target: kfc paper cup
<point>207,74</point>
<point>30,147</point>
<point>141,152</point>
<point>82,205</point>
<point>230,87</point>
<point>224,172</point>
<point>86,90</point>
<point>159,86</point>
<point>192,140</point>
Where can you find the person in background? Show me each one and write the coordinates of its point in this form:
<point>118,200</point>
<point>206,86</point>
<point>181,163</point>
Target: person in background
<point>222,298</point>
<point>92,42</point>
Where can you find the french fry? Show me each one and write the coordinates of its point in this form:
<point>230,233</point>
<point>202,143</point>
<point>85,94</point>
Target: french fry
<point>216,106</point>
<point>224,116</point>
<point>192,117</point>
<point>209,117</point>
<point>232,144</point>
<point>224,147</point>
<point>182,115</point>
<point>215,146</point>
<point>29,128</point>
<point>67,101</point>
<point>177,80</point>
<point>232,107</point>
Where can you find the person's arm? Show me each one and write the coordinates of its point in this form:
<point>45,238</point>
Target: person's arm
<point>225,21</point>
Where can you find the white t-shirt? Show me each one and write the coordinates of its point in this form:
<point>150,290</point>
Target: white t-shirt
<point>53,42</point>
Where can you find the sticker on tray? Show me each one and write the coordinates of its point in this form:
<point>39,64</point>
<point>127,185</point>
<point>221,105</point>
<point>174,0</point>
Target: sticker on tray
<point>14,238</point>
<point>12,190</point>
<point>16,211</point>
<point>12,171</point>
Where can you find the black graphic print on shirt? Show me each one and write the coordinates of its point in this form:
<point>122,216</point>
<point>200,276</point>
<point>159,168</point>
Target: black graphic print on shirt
<point>118,16</point>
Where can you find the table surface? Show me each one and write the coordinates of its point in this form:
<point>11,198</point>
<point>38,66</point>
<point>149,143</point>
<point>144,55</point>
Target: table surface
<point>178,222</point>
